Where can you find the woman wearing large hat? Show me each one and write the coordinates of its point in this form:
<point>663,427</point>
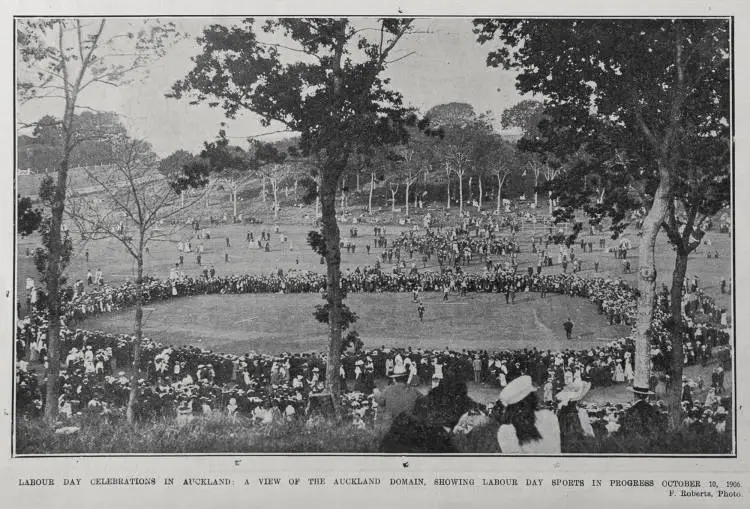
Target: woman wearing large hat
<point>524,429</point>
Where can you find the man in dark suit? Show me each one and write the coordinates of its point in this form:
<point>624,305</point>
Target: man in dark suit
<point>568,326</point>
<point>395,400</point>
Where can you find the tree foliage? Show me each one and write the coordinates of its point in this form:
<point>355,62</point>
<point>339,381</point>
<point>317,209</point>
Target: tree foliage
<point>641,107</point>
<point>526,116</point>
<point>28,217</point>
<point>614,103</point>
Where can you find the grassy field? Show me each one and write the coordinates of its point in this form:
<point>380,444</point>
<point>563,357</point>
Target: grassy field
<point>118,266</point>
<point>218,434</point>
<point>278,323</point>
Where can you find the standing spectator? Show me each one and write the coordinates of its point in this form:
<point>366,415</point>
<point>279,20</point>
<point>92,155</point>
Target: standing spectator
<point>477,365</point>
<point>568,326</point>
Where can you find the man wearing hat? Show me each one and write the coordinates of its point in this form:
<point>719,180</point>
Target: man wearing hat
<point>396,399</point>
<point>642,419</point>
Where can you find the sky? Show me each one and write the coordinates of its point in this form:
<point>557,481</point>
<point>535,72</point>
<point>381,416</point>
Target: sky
<point>444,64</point>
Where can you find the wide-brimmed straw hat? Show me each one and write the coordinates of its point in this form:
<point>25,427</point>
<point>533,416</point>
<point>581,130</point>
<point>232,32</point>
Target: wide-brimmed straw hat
<point>573,392</point>
<point>517,390</point>
<point>640,391</point>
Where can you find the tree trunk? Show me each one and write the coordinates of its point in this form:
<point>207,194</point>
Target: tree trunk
<point>536,195</point>
<point>372,187</point>
<point>480,193</point>
<point>317,198</point>
<point>448,175</point>
<point>393,200</point>
<point>674,395</point>
<point>406,198</point>
<point>54,305</point>
<point>234,202</point>
<point>647,278</point>
<point>135,374</point>
<point>549,201</point>
<point>263,189</point>
<point>54,268</point>
<point>275,188</point>
<point>460,193</point>
<point>334,295</point>
<point>499,191</point>
<point>357,181</point>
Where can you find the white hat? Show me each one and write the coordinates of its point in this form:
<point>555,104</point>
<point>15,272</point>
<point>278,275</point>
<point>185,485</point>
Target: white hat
<point>517,390</point>
<point>573,392</point>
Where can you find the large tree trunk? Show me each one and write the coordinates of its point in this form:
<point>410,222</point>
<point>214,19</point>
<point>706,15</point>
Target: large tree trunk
<point>54,306</point>
<point>54,268</point>
<point>135,374</point>
<point>234,202</point>
<point>480,193</point>
<point>674,396</point>
<point>334,295</point>
<point>647,278</point>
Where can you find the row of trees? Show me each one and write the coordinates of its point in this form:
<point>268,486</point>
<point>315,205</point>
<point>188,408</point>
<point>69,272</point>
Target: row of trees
<point>459,145</point>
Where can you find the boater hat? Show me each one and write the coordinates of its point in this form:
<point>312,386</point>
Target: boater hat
<point>641,391</point>
<point>517,390</point>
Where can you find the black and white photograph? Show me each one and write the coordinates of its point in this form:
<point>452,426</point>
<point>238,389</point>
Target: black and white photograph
<point>365,235</point>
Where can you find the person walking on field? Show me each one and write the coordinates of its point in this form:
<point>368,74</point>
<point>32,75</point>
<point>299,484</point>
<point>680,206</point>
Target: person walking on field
<point>568,326</point>
<point>420,310</point>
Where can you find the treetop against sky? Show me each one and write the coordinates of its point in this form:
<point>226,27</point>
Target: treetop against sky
<point>440,63</point>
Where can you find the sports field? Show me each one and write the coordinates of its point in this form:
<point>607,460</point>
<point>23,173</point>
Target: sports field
<point>279,323</point>
<point>118,266</point>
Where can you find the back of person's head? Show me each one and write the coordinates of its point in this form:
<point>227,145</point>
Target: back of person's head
<point>522,416</point>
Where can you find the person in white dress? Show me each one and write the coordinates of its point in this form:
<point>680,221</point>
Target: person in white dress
<point>619,373</point>
<point>629,375</point>
<point>523,428</point>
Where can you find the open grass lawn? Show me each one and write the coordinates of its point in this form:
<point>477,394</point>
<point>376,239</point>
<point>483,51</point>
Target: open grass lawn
<point>278,323</point>
<point>117,265</point>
